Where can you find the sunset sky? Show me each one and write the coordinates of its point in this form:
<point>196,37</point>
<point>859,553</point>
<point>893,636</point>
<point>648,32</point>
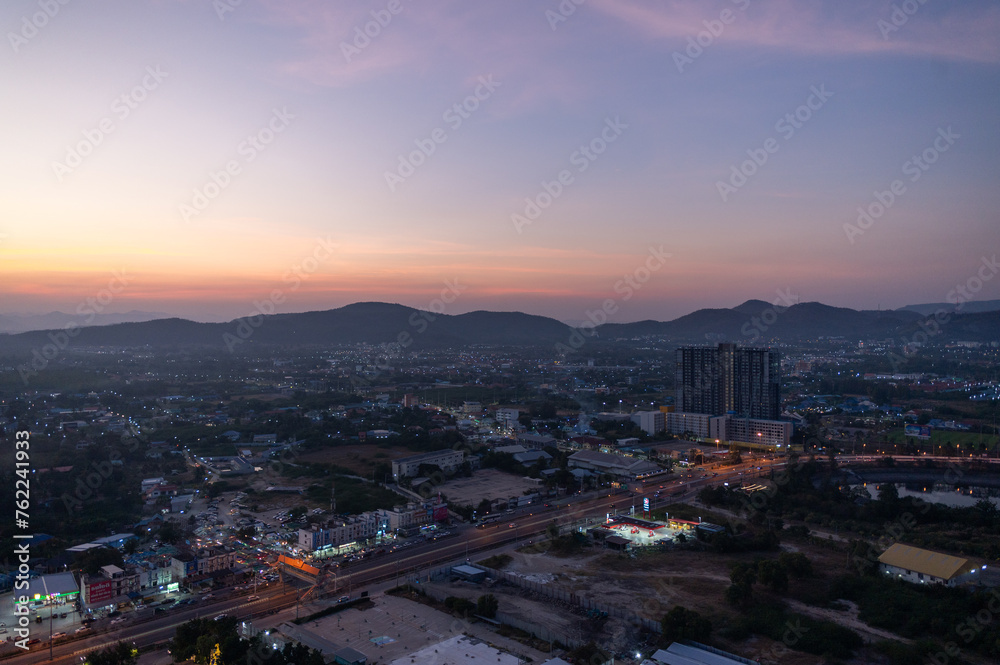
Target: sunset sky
<point>121,118</point>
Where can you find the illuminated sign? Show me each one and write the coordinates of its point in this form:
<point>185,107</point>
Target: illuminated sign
<point>645,504</point>
<point>101,591</point>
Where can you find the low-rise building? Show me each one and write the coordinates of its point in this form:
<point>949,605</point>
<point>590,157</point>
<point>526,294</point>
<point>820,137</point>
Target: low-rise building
<point>109,587</point>
<point>447,460</point>
<point>921,566</point>
<point>616,465</point>
<point>413,515</point>
<point>339,533</point>
<point>188,565</point>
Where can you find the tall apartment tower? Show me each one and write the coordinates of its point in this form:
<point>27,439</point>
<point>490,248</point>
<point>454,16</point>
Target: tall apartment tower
<point>729,379</point>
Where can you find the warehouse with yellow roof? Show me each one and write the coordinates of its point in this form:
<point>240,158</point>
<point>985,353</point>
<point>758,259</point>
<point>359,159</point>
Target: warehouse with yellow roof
<point>921,566</point>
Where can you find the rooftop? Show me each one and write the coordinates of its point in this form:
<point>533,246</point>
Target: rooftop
<point>927,562</point>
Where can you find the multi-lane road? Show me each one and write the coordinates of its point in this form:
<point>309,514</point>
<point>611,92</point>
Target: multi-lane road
<point>403,564</point>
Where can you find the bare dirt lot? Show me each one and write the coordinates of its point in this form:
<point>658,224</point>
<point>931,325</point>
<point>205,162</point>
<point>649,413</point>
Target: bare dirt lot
<point>487,483</point>
<point>650,585</point>
<point>359,458</point>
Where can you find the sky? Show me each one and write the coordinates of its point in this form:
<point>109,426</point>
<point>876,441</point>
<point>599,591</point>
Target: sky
<point>215,158</point>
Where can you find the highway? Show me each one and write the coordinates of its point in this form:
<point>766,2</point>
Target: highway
<point>468,542</point>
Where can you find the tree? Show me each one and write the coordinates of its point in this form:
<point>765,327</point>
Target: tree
<point>460,607</point>
<point>888,494</point>
<point>796,563</point>
<point>115,654</point>
<point>487,606</point>
<point>169,532</point>
<point>92,560</point>
<point>484,507</point>
<point>742,576</point>
<point>773,574</point>
<point>681,623</point>
<point>552,530</point>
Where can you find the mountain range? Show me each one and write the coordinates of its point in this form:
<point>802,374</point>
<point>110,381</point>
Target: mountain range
<point>753,322</point>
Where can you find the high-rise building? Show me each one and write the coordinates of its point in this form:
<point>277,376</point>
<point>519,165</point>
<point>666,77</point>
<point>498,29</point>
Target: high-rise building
<point>727,379</point>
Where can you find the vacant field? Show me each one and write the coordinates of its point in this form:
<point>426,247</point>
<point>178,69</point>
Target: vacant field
<point>360,458</point>
<point>942,437</point>
<point>487,483</point>
<point>652,583</point>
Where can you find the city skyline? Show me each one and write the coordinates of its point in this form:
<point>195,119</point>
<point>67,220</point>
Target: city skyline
<point>546,157</point>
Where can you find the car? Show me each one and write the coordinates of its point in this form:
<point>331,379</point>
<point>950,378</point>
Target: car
<point>62,615</point>
<point>82,629</point>
<point>220,617</point>
<point>117,621</point>
<point>59,635</point>
<point>253,598</point>
<point>343,599</point>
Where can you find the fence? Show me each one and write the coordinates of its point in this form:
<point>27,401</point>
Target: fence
<point>570,598</point>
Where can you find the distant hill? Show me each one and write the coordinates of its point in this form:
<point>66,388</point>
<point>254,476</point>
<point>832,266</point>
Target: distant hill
<point>970,307</point>
<point>753,322</point>
<point>367,322</point>
<point>756,322</point>
<point>16,323</point>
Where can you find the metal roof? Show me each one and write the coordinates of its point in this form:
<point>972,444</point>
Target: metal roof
<point>923,561</point>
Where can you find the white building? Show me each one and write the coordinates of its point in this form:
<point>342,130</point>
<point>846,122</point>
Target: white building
<point>921,566</point>
<point>770,433</point>
<point>680,422</point>
<point>507,417</point>
<point>447,460</point>
<point>336,534</point>
<point>413,515</point>
<point>650,422</point>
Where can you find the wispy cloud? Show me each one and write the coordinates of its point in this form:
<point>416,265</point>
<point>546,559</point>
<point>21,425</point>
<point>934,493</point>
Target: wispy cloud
<point>959,31</point>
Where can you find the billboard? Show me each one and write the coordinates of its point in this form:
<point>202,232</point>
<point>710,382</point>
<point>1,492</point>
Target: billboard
<point>100,592</point>
<point>645,504</point>
<point>441,513</point>
<point>917,431</point>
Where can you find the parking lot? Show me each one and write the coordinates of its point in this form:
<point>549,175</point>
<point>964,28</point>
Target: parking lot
<point>490,484</point>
